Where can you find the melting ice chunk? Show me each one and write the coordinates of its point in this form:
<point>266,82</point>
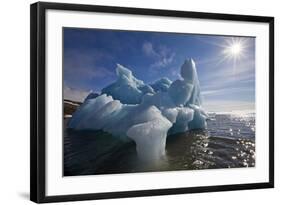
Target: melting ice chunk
<point>144,113</point>
<point>150,135</point>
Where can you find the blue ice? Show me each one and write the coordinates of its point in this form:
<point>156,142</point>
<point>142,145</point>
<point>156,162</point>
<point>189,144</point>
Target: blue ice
<point>145,113</point>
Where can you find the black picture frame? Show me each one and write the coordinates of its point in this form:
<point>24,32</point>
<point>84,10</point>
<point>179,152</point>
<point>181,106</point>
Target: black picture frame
<point>38,101</point>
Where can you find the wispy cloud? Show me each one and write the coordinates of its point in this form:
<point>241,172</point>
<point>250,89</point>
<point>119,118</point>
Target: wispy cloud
<point>227,76</point>
<point>214,92</point>
<point>222,89</point>
<point>229,106</point>
<point>162,55</point>
<point>149,50</point>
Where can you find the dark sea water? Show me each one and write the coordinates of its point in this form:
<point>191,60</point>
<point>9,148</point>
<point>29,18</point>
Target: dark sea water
<point>229,142</point>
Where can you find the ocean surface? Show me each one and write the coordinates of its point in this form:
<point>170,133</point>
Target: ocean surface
<point>229,142</point>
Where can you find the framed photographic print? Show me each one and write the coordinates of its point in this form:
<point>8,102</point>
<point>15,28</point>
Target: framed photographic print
<point>129,102</point>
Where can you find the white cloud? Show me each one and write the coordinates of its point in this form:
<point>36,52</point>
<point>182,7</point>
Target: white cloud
<point>74,94</point>
<point>162,55</point>
<point>164,61</point>
<point>149,50</point>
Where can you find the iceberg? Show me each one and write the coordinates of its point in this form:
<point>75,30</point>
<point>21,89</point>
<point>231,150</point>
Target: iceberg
<point>161,85</point>
<point>146,114</point>
<point>127,88</point>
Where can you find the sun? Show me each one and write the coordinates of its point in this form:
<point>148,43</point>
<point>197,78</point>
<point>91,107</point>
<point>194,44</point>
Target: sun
<point>234,49</point>
<point>233,52</point>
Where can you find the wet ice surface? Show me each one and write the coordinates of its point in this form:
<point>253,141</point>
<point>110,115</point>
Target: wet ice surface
<point>229,142</point>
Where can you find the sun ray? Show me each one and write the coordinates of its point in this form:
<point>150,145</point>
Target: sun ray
<point>233,50</point>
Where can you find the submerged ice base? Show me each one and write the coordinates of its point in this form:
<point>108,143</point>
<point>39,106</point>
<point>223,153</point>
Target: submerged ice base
<point>145,113</point>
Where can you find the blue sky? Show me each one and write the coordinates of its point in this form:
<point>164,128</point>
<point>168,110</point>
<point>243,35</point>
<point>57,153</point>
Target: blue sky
<point>226,72</point>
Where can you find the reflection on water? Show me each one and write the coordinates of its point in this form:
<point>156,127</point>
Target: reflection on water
<point>229,142</point>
